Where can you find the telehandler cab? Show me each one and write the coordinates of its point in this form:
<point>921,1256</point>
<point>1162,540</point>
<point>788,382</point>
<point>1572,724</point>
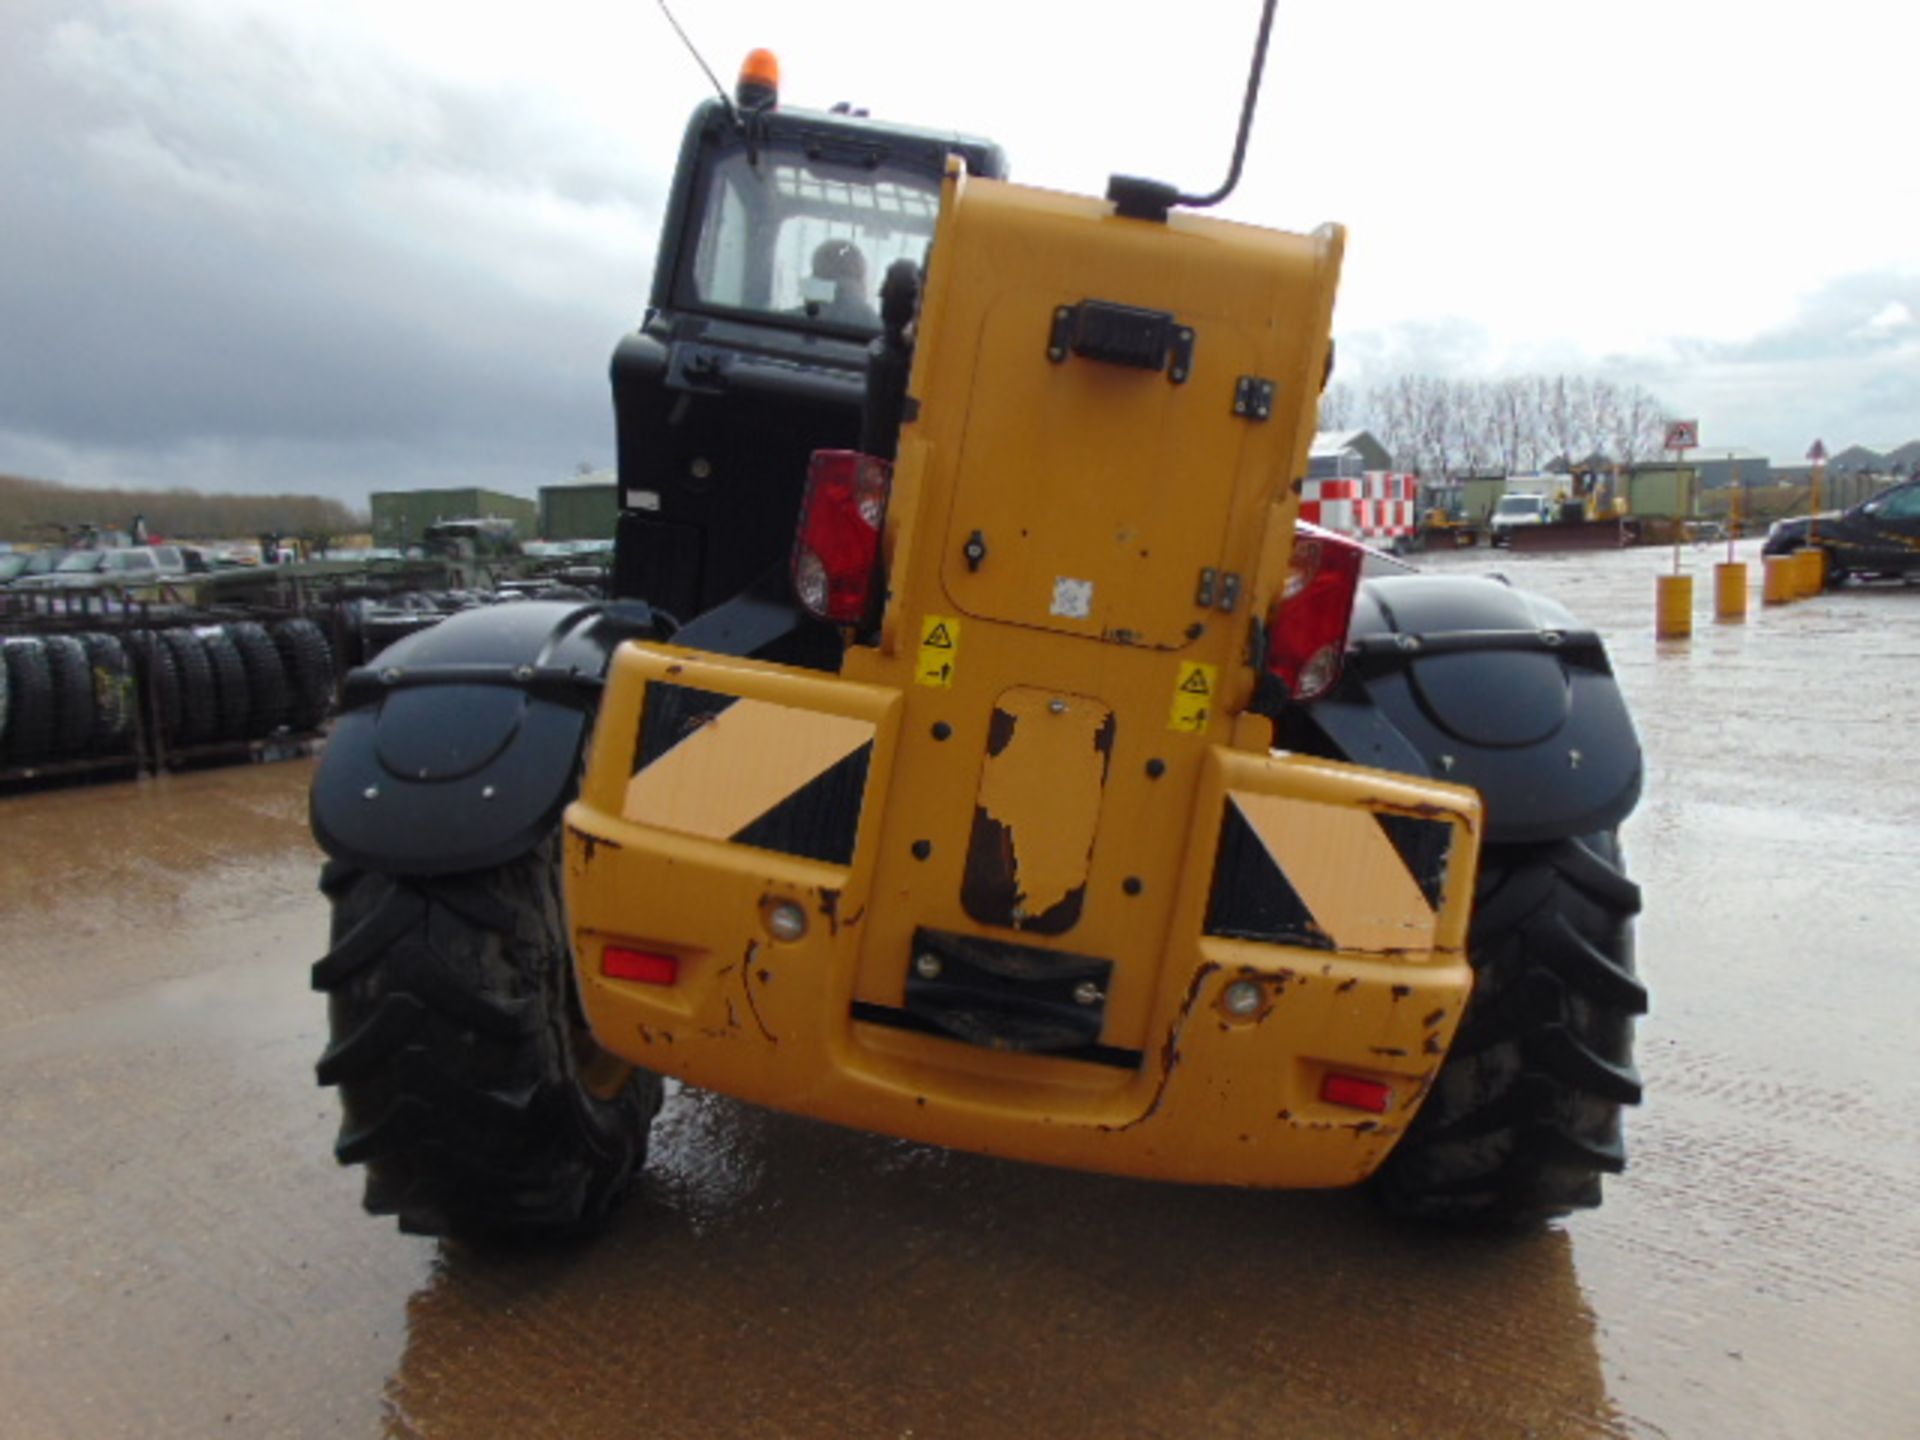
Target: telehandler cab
<point>1042,789</point>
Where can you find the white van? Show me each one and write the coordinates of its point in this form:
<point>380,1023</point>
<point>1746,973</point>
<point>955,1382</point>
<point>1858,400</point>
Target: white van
<point>1514,510</point>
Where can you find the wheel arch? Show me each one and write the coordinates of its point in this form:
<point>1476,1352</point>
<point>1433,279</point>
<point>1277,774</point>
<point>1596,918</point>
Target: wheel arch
<point>1470,680</point>
<point>458,748</point>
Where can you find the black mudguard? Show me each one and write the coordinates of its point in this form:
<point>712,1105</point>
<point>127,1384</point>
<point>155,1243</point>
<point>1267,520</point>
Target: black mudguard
<point>1470,680</point>
<point>458,749</point>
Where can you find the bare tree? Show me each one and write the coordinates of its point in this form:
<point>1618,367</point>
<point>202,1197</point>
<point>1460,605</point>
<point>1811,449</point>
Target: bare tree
<point>1507,407</point>
<point>1339,407</point>
<point>1394,412</point>
<point>1639,426</point>
<point>1561,418</point>
<point>1468,429</point>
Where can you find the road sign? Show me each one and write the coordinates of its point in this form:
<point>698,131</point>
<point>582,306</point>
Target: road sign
<point>1683,435</point>
<point>1818,452</point>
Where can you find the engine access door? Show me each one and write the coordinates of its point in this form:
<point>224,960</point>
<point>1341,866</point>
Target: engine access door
<point>1093,496</point>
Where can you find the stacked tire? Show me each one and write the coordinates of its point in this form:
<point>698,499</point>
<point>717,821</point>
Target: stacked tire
<point>222,684</point>
<point>71,697</point>
<point>64,697</point>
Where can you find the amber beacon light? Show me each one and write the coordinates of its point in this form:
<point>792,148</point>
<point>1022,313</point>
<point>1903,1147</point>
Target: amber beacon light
<point>759,84</point>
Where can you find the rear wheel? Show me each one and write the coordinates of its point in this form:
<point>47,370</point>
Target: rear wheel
<point>470,1086</point>
<point>1524,1116</point>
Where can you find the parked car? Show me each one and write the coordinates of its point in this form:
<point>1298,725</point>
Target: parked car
<point>116,565</point>
<point>1879,536</point>
<point>74,568</point>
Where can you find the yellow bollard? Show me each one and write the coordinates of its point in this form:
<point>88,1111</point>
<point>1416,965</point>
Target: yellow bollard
<point>1806,573</point>
<point>1815,559</point>
<point>1730,591</point>
<point>1780,584</point>
<point>1673,606</point>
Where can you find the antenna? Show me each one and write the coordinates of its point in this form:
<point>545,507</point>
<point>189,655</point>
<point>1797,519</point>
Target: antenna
<point>1246,114</point>
<point>727,100</point>
<point>1142,199</point>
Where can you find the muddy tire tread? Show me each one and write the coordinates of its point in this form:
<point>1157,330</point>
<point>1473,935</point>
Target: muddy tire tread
<point>452,1031</point>
<point>1524,1115</point>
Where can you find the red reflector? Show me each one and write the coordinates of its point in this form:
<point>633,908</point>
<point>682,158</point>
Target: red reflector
<point>1307,631</point>
<point>1356,1094</point>
<point>836,554</point>
<point>619,963</point>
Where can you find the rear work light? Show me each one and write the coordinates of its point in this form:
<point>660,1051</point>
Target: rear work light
<point>620,962</point>
<point>1307,631</point>
<point>836,555</point>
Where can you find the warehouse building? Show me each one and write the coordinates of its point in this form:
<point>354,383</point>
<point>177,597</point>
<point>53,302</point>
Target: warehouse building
<point>401,517</point>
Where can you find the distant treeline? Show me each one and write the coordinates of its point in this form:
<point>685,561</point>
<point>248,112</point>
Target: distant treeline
<point>44,512</point>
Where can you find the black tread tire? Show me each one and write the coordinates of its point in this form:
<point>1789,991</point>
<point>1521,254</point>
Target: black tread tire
<point>113,694</point>
<point>5,688</point>
<point>309,662</point>
<point>72,680</point>
<point>29,701</point>
<point>1524,1116</point>
<point>456,1045</point>
<point>232,702</point>
<point>199,706</point>
<point>267,687</point>
<point>159,690</point>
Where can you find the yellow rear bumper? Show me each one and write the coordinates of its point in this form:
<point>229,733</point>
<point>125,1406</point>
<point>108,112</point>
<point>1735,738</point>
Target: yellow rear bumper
<point>1182,1089</point>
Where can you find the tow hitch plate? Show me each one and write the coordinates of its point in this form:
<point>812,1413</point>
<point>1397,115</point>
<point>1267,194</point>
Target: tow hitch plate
<point>1005,996</point>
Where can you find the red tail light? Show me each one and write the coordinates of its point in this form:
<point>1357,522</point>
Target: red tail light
<point>1307,631</point>
<point>649,967</point>
<point>836,555</point>
<point>1356,1092</point>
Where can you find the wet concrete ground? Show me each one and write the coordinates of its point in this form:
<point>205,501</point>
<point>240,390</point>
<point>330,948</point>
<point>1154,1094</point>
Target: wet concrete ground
<point>179,1255</point>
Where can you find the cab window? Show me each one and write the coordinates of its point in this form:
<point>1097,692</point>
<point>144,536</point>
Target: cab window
<point>808,240</point>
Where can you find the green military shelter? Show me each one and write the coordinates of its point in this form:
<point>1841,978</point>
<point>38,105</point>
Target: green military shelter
<point>401,517</point>
<point>582,509</point>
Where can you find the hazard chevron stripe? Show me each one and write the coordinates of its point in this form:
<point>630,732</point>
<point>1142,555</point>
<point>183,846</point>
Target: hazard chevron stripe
<point>743,772</point>
<point>1306,873</point>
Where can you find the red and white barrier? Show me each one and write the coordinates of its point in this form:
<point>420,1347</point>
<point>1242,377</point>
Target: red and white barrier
<point>1379,505</point>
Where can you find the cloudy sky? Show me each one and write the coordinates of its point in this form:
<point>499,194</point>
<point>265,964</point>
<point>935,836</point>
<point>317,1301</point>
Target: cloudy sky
<point>346,245</point>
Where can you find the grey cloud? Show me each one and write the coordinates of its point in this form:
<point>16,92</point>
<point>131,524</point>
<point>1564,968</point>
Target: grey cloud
<point>281,268</point>
<point>1845,367</point>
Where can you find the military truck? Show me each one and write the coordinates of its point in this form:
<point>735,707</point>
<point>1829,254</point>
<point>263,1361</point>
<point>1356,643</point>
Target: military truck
<point>974,749</point>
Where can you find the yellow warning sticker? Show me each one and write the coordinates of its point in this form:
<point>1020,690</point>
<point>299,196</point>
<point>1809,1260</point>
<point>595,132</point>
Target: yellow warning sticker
<point>1193,694</point>
<point>939,650</point>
